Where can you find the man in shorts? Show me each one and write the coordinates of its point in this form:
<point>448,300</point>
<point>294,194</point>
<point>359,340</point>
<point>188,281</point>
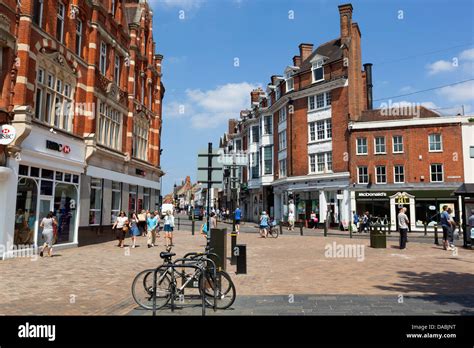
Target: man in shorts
<point>237,217</point>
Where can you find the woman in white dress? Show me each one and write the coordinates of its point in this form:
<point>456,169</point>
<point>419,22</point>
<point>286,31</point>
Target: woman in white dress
<point>47,224</point>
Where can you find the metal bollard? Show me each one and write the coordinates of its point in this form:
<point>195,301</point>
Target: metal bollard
<point>301,229</point>
<point>281,227</point>
<point>325,228</point>
<point>426,228</point>
<point>192,227</point>
<point>436,235</point>
<point>178,223</point>
<point>233,243</point>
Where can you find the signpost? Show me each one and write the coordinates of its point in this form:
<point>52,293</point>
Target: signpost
<point>210,173</point>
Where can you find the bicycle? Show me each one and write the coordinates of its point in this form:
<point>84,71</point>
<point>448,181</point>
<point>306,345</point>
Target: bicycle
<point>216,287</point>
<point>273,231</point>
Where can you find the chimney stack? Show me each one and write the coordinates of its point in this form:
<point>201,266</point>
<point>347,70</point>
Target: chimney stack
<point>305,51</point>
<point>254,96</point>
<point>368,84</point>
<point>232,125</point>
<point>297,61</point>
<point>345,14</point>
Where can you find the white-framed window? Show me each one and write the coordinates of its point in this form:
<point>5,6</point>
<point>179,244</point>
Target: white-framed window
<point>78,37</point>
<point>320,130</point>
<point>380,147</point>
<point>290,85</point>
<point>255,162</point>
<point>435,142</point>
<point>268,124</point>
<point>95,208</point>
<point>109,130</point>
<point>117,70</point>
<point>112,8</point>
<point>282,140</point>
<point>282,168</point>
<point>436,172</point>
<point>282,114</point>
<point>380,174</point>
<point>319,101</point>
<point>320,162</point>
<point>60,22</point>
<point>269,100</point>
<point>277,93</point>
<point>397,144</point>
<point>38,12</point>
<point>398,174</point>
<point>268,160</point>
<point>103,58</point>
<point>471,151</point>
<point>318,71</point>
<point>255,134</point>
<point>141,128</point>
<point>362,146</point>
<point>116,200</point>
<point>363,175</point>
<point>54,99</point>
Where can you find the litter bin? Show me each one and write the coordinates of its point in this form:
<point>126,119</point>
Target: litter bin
<point>218,244</point>
<point>241,259</point>
<point>378,236</point>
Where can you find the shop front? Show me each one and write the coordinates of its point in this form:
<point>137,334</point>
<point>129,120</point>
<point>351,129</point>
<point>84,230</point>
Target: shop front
<point>328,199</point>
<point>47,174</point>
<point>423,206</point>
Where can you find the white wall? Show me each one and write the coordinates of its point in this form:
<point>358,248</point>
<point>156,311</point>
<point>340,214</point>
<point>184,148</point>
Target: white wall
<point>467,142</point>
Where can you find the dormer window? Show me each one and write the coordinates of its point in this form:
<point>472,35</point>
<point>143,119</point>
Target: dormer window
<point>112,8</point>
<point>269,100</point>
<point>289,82</point>
<point>277,93</point>
<point>318,71</point>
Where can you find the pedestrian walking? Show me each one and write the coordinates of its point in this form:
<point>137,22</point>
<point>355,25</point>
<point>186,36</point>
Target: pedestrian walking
<point>446,225</point>
<point>403,227</point>
<point>264,225</point>
<point>168,228</point>
<point>314,220</point>
<point>237,217</point>
<point>47,224</point>
<point>134,230</point>
<point>453,229</point>
<point>470,231</point>
<point>152,223</point>
<point>364,225</point>
<point>213,220</point>
<point>121,228</point>
<point>142,222</point>
<point>291,221</point>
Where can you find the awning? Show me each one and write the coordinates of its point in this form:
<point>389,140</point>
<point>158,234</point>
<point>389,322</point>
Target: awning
<point>115,176</point>
<point>465,190</point>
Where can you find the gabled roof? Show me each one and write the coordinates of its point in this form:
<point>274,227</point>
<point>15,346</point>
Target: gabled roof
<point>378,114</point>
<point>332,50</point>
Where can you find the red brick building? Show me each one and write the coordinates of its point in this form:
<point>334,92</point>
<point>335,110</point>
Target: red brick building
<point>296,131</point>
<point>406,156</point>
<point>87,111</point>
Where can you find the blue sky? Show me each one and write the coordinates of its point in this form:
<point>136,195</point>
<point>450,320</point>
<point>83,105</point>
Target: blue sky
<point>414,45</point>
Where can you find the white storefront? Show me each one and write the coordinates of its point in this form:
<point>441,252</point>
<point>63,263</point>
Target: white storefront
<point>43,176</point>
<point>327,195</point>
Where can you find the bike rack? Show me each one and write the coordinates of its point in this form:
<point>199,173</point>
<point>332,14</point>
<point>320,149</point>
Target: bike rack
<point>174,265</point>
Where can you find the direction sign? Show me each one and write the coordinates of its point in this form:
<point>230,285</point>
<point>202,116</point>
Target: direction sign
<point>216,168</point>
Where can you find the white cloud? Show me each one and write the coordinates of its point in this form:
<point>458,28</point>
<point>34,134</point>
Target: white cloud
<point>467,54</point>
<point>440,66</point>
<point>458,93</point>
<point>406,89</point>
<point>211,108</point>
<point>180,4</point>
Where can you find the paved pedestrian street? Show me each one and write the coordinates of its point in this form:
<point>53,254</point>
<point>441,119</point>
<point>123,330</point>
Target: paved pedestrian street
<point>289,275</point>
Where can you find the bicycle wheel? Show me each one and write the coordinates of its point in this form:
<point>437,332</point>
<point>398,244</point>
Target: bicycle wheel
<point>275,232</point>
<point>142,289</point>
<point>226,293</point>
